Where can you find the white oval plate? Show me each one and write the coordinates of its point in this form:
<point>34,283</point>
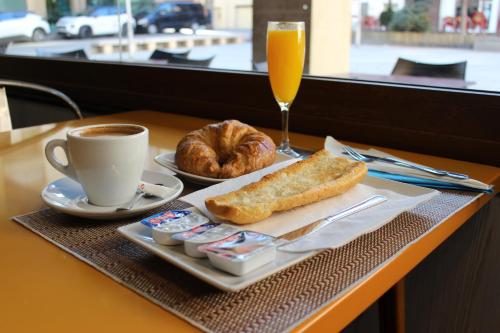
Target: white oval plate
<point>67,196</point>
<point>168,161</point>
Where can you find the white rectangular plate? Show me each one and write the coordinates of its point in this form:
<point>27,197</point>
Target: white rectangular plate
<point>201,268</point>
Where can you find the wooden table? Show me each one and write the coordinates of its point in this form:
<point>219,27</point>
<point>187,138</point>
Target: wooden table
<point>43,288</point>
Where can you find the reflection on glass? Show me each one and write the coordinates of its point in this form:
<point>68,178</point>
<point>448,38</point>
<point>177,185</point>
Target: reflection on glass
<point>357,39</point>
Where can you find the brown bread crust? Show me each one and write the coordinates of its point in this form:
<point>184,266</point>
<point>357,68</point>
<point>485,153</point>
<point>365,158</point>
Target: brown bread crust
<point>225,150</point>
<point>319,177</point>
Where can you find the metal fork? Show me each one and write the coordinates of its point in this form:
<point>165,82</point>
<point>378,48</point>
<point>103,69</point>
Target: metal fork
<point>438,172</point>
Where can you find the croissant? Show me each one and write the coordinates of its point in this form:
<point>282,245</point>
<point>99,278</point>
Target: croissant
<point>225,150</point>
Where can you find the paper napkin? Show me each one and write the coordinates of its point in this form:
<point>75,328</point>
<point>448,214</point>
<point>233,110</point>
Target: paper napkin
<point>400,197</point>
<point>407,175</point>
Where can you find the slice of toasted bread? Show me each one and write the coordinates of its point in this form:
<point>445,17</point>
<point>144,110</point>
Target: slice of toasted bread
<point>319,177</point>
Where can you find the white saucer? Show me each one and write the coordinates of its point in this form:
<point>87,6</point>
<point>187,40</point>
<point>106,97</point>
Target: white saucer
<point>168,161</point>
<point>67,196</point>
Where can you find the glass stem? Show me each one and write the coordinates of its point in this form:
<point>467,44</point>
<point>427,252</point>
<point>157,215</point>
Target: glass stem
<point>285,143</point>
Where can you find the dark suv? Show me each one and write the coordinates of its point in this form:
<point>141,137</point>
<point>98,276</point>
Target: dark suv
<point>174,15</point>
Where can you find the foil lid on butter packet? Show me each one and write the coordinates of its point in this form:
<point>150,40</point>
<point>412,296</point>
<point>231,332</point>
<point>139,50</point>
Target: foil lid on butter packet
<point>185,235</point>
<point>241,246</point>
<point>222,231</point>
<point>182,223</point>
<point>164,217</point>
<point>215,234</point>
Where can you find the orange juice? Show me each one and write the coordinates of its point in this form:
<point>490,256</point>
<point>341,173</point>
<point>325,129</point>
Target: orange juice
<point>285,58</point>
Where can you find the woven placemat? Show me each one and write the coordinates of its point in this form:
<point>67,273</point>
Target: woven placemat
<point>277,303</point>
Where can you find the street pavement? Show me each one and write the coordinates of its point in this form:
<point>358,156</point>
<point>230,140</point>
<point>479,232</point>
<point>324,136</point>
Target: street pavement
<point>483,68</point>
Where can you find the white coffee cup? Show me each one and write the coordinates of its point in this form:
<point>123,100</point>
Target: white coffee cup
<point>107,160</point>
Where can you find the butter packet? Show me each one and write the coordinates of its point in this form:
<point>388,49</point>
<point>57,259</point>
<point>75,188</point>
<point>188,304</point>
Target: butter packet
<point>185,235</point>
<point>164,217</point>
<point>242,252</point>
<point>221,231</point>
<point>162,233</point>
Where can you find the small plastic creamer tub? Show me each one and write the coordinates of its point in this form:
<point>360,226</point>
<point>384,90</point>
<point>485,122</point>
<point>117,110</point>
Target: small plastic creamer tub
<point>163,218</point>
<point>163,232</point>
<point>185,236</point>
<point>218,233</point>
<point>242,252</point>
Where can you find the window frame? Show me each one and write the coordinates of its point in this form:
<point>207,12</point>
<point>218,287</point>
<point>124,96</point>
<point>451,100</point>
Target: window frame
<point>455,123</point>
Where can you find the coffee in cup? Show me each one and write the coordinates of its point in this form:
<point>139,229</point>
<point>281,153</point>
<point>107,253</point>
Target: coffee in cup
<point>106,131</point>
<point>107,160</point>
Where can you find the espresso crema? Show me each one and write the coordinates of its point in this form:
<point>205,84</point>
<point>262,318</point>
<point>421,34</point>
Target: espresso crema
<point>107,131</point>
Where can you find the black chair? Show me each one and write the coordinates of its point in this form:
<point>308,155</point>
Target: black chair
<point>164,55</point>
<point>413,68</point>
<point>74,54</point>
<point>176,60</point>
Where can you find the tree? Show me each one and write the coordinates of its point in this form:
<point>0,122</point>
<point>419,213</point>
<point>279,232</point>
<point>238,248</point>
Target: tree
<point>386,16</point>
<point>413,17</point>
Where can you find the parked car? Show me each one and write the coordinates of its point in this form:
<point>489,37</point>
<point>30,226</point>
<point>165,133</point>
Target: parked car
<point>95,22</point>
<point>174,15</point>
<point>23,25</point>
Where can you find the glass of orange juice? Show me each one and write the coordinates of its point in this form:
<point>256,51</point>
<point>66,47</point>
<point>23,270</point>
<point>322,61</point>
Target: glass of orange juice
<point>286,44</point>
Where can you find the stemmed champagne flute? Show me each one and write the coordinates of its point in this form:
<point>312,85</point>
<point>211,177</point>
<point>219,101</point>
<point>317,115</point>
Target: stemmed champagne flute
<point>286,44</point>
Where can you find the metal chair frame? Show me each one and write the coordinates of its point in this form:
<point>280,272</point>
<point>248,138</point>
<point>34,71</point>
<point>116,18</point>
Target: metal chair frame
<point>27,85</point>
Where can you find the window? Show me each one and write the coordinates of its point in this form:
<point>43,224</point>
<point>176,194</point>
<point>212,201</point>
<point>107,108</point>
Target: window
<point>166,7</point>
<point>217,69</point>
<point>12,15</point>
<point>397,41</point>
<point>102,12</point>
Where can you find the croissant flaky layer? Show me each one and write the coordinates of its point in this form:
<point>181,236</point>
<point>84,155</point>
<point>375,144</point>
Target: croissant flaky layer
<point>225,150</point>
<point>321,176</point>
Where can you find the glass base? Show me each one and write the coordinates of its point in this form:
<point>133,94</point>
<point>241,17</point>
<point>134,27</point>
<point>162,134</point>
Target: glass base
<point>288,151</point>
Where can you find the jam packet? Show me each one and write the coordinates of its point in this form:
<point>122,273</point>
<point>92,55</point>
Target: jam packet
<point>162,233</point>
<point>241,253</point>
<point>221,231</point>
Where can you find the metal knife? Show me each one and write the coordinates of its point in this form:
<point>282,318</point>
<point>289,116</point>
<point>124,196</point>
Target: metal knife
<point>306,231</point>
